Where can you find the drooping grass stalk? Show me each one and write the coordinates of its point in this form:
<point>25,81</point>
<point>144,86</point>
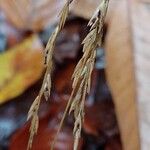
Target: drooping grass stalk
<point>83,71</point>
<point>46,85</point>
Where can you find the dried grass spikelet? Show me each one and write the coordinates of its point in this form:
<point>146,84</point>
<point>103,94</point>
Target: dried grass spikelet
<point>46,85</point>
<point>83,71</point>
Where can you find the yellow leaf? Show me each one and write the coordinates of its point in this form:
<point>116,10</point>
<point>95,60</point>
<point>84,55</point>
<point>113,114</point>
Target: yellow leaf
<point>20,67</point>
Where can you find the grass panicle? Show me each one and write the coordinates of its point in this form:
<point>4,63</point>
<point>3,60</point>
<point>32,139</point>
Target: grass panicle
<point>83,71</point>
<point>46,85</point>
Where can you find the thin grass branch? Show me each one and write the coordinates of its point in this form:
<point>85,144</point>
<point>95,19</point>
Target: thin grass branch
<point>46,85</point>
<point>83,71</point>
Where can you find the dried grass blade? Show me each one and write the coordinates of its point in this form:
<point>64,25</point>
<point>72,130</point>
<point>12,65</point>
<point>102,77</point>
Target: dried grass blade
<point>83,71</point>
<point>46,85</point>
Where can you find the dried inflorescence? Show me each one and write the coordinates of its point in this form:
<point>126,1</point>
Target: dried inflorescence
<point>81,76</point>
<point>46,85</point>
<point>82,73</point>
